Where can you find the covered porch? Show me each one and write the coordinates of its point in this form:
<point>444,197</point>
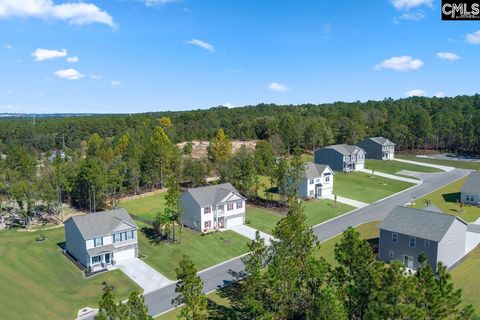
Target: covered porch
<point>100,258</point>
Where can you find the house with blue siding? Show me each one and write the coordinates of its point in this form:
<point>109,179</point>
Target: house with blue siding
<point>341,157</point>
<point>378,148</point>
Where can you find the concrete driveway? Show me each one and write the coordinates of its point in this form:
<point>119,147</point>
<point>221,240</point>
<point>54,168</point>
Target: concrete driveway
<point>250,232</point>
<point>143,275</point>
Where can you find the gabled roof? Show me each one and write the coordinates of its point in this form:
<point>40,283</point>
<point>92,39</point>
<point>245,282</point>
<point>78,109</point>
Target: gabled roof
<point>381,141</point>
<point>419,223</point>
<point>313,170</point>
<point>433,208</point>
<point>344,149</point>
<point>212,195</point>
<point>472,185</point>
<point>102,223</point>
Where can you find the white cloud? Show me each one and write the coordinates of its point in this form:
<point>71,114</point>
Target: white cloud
<point>408,4</point>
<point>77,13</point>
<point>153,3</point>
<point>439,95</point>
<point>448,56</point>
<point>412,16</point>
<point>72,59</point>
<point>95,76</point>
<point>70,74</point>
<point>416,93</point>
<point>45,54</point>
<point>473,38</point>
<point>8,46</point>
<point>116,83</point>
<point>202,44</point>
<point>402,63</point>
<point>275,86</point>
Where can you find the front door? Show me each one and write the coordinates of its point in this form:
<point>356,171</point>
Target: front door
<point>221,222</point>
<point>319,192</point>
<point>107,258</point>
<point>408,262</point>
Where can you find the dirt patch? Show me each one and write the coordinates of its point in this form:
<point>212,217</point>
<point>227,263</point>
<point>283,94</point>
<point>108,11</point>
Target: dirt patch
<point>199,150</point>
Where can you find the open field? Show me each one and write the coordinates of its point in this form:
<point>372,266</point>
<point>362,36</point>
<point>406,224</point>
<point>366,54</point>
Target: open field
<point>465,277</point>
<point>392,166</point>
<point>448,200</point>
<point>367,230</point>
<point>318,211</point>
<point>205,251</point>
<point>365,187</point>
<point>262,219</point>
<point>451,163</point>
<point>146,207</point>
<point>38,282</point>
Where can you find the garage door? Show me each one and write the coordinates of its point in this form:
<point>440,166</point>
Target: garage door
<point>234,222</point>
<point>123,255</point>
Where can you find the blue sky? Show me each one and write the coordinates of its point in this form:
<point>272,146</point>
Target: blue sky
<point>148,55</point>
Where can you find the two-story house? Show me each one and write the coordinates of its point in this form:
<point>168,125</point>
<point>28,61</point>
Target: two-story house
<point>341,157</point>
<point>212,208</point>
<point>317,182</point>
<point>470,193</point>
<point>407,232</point>
<point>98,240</point>
<point>379,148</point>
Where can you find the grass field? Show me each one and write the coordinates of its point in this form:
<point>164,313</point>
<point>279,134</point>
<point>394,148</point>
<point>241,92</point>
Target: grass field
<point>465,277</point>
<point>205,251</point>
<point>262,219</point>
<point>318,211</point>
<point>38,282</point>
<point>364,187</point>
<point>392,166</point>
<point>146,207</point>
<point>367,230</point>
<point>451,163</point>
<point>447,199</point>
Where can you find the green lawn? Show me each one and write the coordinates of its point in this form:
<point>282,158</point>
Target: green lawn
<point>365,187</point>
<point>267,190</point>
<point>392,166</point>
<point>205,251</point>
<point>465,277</point>
<point>262,219</point>
<point>447,199</point>
<point>451,163</point>
<point>38,282</point>
<point>318,211</point>
<point>367,230</point>
<point>146,207</point>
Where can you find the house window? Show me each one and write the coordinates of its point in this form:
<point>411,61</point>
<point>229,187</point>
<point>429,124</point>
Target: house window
<point>394,238</point>
<point>98,242</point>
<point>311,192</point>
<point>117,237</point>
<point>427,244</point>
<point>412,242</point>
<point>311,181</point>
<point>122,236</point>
<point>391,253</point>
<point>230,207</point>
<point>327,178</point>
<point>208,224</point>
<point>207,210</point>
<point>96,260</point>
<point>239,205</point>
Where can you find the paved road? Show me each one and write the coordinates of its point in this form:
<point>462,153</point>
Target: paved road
<point>161,300</point>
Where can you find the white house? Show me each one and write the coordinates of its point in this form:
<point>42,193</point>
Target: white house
<point>211,208</point>
<point>100,239</point>
<point>317,181</point>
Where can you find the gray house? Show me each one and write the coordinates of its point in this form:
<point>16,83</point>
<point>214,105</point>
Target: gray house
<point>98,240</point>
<point>341,157</point>
<point>407,232</point>
<point>471,189</point>
<point>317,181</point>
<point>211,208</point>
<point>379,148</point>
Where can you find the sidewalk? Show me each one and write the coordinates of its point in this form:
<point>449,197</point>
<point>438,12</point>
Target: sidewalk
<point>437,166</point>
<point>391,176</point>
<point>351,202</point>
<point>249,232</point>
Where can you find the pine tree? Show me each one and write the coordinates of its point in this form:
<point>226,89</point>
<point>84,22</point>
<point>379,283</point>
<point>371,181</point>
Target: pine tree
<point>189,287</point>
<point>172,204</point>
<point>157,158</point>
<point>220,148</point>
<point>136,308</point>
<point>108,309</point>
